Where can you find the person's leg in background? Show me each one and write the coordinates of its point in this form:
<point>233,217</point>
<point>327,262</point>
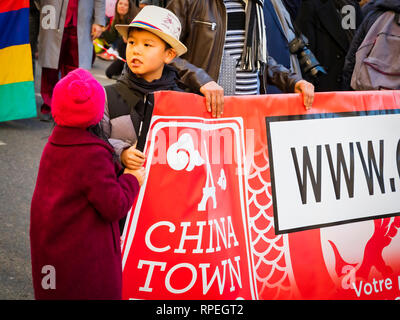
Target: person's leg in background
<point>48,81</point>
<point>69,57</point>
<point>69,60</point>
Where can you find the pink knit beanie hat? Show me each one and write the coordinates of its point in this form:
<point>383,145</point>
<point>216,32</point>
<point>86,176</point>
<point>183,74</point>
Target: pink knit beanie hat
<point>78,100</point>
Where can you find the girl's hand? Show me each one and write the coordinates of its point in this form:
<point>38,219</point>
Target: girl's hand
<point>140,174</point>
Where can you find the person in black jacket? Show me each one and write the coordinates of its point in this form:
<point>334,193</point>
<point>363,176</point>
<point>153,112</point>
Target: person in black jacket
<point>292,7</point>
<point>372,11</point>
<point>321,22</point>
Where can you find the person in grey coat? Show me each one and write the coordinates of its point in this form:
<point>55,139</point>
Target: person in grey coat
<point>67,29</point>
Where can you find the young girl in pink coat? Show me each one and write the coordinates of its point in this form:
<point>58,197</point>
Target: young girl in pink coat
<point>79,197</point>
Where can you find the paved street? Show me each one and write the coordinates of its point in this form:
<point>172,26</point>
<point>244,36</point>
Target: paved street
<point>21,145</point>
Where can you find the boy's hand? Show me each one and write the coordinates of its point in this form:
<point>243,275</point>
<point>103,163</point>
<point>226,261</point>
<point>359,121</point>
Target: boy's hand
<point>307,90</point>
<point>214,98</point>
<point>140,174</point>
<point>132,158</point>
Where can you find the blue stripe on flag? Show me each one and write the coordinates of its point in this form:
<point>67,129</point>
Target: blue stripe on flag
<point>14,28</point>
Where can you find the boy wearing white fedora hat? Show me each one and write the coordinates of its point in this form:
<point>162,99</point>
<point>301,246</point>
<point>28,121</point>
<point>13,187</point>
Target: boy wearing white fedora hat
<point>146,56</point>
<point>152,43</point>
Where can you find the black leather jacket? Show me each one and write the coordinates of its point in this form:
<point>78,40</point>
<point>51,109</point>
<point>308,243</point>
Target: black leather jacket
<point>203,32</point>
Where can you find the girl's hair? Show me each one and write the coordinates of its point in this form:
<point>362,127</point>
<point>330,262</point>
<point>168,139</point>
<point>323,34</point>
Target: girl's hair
<point>126,19</point>
<point>97,130</point>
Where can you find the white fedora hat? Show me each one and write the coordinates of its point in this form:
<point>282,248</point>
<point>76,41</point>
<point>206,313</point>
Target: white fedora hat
<point>159,21</point>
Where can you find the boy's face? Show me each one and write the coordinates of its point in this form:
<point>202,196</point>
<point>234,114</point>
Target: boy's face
<point>146,54</point>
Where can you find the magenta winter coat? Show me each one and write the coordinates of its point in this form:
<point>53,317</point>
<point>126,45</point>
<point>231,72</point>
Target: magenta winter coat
<point>75,209</point>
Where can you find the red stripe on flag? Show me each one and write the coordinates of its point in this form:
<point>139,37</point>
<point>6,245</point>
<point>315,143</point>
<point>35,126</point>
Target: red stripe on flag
<point>11,5</point>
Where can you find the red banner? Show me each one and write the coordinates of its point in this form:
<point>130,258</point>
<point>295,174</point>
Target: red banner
<point>269,202</point>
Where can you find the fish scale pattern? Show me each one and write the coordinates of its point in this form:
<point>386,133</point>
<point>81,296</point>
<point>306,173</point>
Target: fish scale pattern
<point>271,268</point>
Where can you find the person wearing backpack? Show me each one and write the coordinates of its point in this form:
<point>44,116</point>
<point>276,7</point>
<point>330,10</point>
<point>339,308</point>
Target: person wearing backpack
<point>321,21</point>
<point>376,8</point>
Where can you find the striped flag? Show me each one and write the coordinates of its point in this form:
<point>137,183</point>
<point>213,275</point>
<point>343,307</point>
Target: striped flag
<point>17,94</point>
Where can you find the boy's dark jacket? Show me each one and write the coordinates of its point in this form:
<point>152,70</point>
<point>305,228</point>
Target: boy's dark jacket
<point>75,209</point>
<point>125,107</point>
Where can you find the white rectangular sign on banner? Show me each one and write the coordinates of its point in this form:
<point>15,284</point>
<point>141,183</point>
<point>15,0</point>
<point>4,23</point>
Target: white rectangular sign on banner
<point>329,169</point>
